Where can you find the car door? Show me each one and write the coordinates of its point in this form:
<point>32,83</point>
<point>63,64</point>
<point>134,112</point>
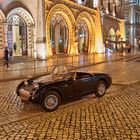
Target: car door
<point>67,89</point>
<point>85,85</point>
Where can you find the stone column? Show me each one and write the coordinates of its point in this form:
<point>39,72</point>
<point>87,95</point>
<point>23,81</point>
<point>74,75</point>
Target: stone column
<point>5,29</point>
<point>91,3</point>
<point>113,10</point>
<point>41,21</point>
<point>122,9</point>
<point>132,22</point>
<point>99,47</point>
<point>87,3</point>
<point>63,37</point>
<point>41,30</point>
<point>34,43</point>
<point>3,42</point>
<point>106,7</point>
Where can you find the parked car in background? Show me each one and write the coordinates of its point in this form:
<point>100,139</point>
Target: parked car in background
<point>62,84</point>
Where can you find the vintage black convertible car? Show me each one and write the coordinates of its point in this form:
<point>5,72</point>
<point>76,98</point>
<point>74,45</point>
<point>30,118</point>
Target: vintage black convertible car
<point>59,86</point>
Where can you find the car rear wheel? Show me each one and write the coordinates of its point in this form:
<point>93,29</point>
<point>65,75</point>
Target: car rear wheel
<point>51,101</point>
<point>100,89</point>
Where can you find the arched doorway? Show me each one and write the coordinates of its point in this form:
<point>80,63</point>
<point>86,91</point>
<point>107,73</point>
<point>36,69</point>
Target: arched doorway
<point>112,39</point>
<point>82,37</point>
<point>85,33</point>
<point>58,34</point>
<point>66,37</point>
<point>20,31</point>
<point>17,31</point>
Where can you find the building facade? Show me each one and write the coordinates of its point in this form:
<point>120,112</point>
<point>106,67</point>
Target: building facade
<point>42,28</point>
<point>91,23</point>
<point>22,22</point>
<point>113,27</point>
<point>73,27</point>
<point>132,17</point>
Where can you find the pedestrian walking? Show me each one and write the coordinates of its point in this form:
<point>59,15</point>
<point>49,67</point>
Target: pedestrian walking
<point>121,48</point>
<point>129,48</point>
<point>133,48</point>
<point>15,47</point>
<point>6,58</point>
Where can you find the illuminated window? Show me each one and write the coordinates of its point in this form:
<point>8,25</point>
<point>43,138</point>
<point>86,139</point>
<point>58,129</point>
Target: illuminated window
<point>81,1</point>
<point>95,3</point>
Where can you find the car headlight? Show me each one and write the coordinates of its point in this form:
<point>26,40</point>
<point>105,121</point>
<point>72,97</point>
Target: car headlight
<point>35,85</point>
<point>25,82</point>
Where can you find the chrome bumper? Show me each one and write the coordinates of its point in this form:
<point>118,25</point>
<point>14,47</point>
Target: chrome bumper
<point>24,95</point>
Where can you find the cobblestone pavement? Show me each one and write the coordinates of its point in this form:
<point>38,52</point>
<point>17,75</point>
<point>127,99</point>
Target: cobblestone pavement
<point>116,116</point>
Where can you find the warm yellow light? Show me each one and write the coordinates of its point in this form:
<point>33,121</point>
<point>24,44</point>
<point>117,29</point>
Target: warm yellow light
<point>95,4</point>
<point>99,47</point>
<point>74,48</point>
<point>43,54</point>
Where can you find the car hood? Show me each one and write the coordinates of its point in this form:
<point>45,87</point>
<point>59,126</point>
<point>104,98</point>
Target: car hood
<point>47,79</point>
<point>98,74</point>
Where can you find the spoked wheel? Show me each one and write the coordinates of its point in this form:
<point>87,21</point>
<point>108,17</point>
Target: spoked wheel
<point>51,101</point>
<point>100,89</point>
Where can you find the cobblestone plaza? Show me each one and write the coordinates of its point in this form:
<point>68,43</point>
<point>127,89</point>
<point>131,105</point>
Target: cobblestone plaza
<point>90,35</point>
<point>116,116</point>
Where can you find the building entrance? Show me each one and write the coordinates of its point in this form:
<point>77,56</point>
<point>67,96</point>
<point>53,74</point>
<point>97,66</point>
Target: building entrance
<point>58,34</point>
<point>82,37</point>
<point>19,30</point>
<point>17,36</point>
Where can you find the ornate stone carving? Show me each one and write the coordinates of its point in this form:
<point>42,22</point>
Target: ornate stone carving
<point>68,16</point>
<point>89,21</point>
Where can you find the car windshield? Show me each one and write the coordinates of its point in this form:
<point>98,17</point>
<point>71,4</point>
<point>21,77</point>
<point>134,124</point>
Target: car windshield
<point>60,70</point>
<point>58,73</point>
<point>63,72</point>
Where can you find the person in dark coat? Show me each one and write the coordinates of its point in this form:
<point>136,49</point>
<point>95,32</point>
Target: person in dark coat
<point>6,57</point>
<point>15,47</point>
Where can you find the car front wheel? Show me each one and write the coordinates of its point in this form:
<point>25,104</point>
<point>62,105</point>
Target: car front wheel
<point>100,89</point>
<point>51,101</point>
